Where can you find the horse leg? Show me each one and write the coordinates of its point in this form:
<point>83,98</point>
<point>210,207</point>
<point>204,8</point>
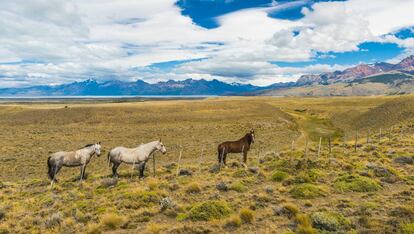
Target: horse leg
<point>82,172</point>
<point>55,169</point>
<point>244,158</point>
<point>219,157</point>
<point>114,169</point>
<point>141,170</point>
<point>224,159</point>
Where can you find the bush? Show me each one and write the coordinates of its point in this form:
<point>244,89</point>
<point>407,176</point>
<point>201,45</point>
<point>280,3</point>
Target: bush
<point>405,213</point>
<point>407,228</point>
<point>240,173</point>
<point>279,176</point>
<point>356,183</point>
<point>290,209</point>
<point>307,191</point>
<point>193,188</point>
<point>135,200</point>
<point>238,186</point>
<point>329,221</point>
<point>209,210</point>
<point>112,221</point>
<point>308,176</point>
<point>181,217</point>
<point>246,215</point>
<point>304,225</point>
<point>233,222</point>
<point>54,220</point>
<point>93,228</point>
<point>155,228</point>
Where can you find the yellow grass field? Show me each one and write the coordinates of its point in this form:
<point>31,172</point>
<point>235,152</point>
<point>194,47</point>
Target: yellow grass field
<point>282,190</point>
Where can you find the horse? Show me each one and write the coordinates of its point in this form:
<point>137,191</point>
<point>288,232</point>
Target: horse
<point>79,158</point>
<point>138,155</point>
<point>240,146</point>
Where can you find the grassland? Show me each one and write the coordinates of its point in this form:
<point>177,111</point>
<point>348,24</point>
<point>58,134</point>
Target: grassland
<point>282,190</point>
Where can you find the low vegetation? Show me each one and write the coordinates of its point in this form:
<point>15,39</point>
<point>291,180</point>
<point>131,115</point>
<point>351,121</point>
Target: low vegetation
<point>348,190</point>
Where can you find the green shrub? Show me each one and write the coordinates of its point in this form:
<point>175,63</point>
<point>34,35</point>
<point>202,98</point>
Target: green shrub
<point>405,213</point>
<point>246,215</point>
<point>308,176</point>
<point>193,188</point>
<point>238,186</point>
<point>112,221</point>
<point>181,217</point>
<point>135,200</point>
<point>407,228</point>
<point>290,209</point>
<point>240,173</point>
<point>233,222</point>
<point>329,221</point>
<point>209,210</point>
<point>356,183</point>
<point>307,191</point>
<point>279,176</point>
<point>304,224</point>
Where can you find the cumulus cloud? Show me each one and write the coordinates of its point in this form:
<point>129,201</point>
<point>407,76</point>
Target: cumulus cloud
<point>52,42</point>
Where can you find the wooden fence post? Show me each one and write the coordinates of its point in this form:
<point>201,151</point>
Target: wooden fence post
<point>201,158</point>
<point>380,135</point>
<point>356,141</point>
<point>306,147</point>
<point>319,146</point>
<point>179,159</point>
<point>153,164</point>
<point>330,145</point>
<point>389,134</point>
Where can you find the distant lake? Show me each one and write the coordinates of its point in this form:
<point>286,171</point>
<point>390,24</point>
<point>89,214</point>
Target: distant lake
<point>6,99</point>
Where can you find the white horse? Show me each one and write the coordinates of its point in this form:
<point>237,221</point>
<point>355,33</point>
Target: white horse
<point>78,158</point>
<point>138,155</point>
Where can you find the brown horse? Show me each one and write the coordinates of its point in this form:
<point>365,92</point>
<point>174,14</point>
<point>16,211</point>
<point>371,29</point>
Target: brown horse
<point>239,146</point>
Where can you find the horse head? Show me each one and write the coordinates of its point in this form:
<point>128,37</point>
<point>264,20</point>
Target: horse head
<point>160,146</point>
<point>251,134</point>
<point>97,148</point>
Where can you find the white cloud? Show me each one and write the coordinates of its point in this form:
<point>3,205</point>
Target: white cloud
<point>76,39</point>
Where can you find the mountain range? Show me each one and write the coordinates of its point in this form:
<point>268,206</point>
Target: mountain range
<point>360,71</point>
<point>364,79</point>
<point>139,87</point>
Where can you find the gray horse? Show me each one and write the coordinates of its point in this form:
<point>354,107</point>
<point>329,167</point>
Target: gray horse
<point>138,155</point>
<point>79,158</point>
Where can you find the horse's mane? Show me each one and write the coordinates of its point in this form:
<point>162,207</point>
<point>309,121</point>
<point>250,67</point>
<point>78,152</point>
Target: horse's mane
<point>247,137</point>
<point>88,145</point>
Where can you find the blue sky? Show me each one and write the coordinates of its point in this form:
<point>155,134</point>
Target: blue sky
<point>256,41</point>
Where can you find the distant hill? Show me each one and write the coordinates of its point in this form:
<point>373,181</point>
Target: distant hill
<point>139,87</point>
<point>365,79</point>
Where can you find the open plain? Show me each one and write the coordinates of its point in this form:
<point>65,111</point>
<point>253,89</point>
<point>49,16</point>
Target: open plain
<point>293,182</point>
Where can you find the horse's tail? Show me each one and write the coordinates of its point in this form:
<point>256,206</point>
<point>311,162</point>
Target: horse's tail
<point>50,168</point>
<point>220,152</point>
<point>108,158</point>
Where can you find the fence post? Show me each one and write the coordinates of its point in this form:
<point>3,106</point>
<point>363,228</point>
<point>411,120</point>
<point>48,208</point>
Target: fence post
<point>153,164</point>
<point>380,135</point>
<point>319,146</point>
<point>242,153</point>
<point>306,147</point>
<point>201,157</point>
<point>330,145</point>
<point>179,159</point>
<point>389,134</point>
<point>356,141</point>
